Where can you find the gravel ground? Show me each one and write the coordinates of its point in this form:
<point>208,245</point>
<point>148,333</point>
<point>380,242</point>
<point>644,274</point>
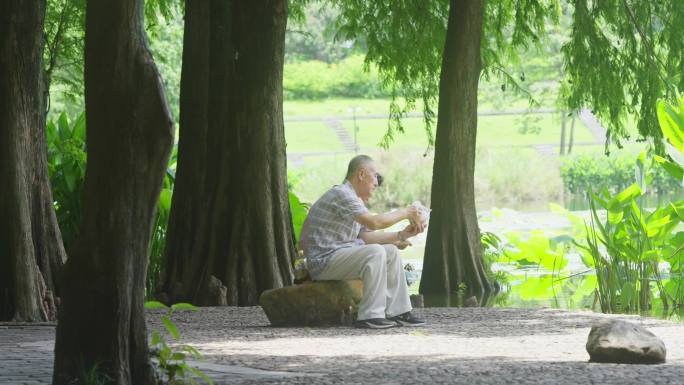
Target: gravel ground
<point>458,346</point>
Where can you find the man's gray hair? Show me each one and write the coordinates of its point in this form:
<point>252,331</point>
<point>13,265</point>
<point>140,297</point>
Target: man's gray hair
<point>356,163</point>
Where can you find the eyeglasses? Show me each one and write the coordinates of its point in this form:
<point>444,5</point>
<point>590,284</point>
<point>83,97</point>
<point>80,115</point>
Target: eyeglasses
<point>379,179</point>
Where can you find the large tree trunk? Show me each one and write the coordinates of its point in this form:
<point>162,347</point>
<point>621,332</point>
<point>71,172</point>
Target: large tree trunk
<point>230,217</point>
<point>453,252</point>
<point>129,137</point>
<point>31,251</point>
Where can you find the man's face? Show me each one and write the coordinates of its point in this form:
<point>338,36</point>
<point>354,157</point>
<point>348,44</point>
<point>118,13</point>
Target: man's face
<point>368,181</point>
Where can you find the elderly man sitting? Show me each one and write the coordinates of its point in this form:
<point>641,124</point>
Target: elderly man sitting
<point>340,242</point>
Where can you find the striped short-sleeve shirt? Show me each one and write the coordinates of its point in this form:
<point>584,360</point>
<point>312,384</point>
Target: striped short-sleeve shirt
<point>330,226</point>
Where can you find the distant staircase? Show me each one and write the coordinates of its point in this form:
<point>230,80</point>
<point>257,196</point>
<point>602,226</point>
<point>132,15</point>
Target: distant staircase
<point>342,134</point>
<point>546,149</point>
<point>593,124</point>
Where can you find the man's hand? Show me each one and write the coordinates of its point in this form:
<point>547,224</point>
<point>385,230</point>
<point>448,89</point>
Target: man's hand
<point>401,245</point>
<point>411,231</point>
<point>413,214</point>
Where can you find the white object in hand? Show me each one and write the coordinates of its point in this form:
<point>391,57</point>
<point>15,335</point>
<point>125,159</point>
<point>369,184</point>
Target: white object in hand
<point>423,212</point>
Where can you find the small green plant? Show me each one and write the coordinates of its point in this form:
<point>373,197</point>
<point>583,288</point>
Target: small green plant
<point>172,358</point>
<point>93,375</point>
<point>493,250</point>
<point>158,241</point>
<point>66,167</point>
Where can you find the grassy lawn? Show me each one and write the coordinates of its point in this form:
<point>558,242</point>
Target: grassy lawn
<point>311,137</point>
<point>500,130</point>
<point>343,106</point>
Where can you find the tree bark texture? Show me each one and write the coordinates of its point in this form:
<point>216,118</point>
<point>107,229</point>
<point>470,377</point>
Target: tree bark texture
<point>230,222</point>
<point>453,252</point>
<point>129,138</point>
<point>31,250</point>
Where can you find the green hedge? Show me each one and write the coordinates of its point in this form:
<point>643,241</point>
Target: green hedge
<point>585,172</point>
<point>315,79</point>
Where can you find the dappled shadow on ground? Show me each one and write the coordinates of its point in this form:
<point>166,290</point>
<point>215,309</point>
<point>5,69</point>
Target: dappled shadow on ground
<point>441,370</point>
<point>252,324</point>
<point>461,346</point>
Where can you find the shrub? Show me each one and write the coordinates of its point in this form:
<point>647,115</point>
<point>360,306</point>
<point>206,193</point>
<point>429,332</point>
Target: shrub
<point>66,167</point>
<point>516,175</point>
<point>316,79</point>
<point>595,172</point>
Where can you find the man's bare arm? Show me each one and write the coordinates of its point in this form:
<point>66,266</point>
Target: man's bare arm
<point>385,220</point>
<point>382,238</point>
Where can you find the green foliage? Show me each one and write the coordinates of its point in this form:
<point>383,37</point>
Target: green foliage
<point>311,33</point>
<point>165,30</point>
<point>64,33</point>
<point>316,79</point>
<point>502,177</point>
<point>93,375</point>
<point>493,250</point>
<point>511,176</point>
<point>405,40</point>
<point>538,250</point>
<point>621,57</point>
<point>407,178</point>
<point>63,54</point>
<point>161,220</point>
<point>172,358</point>
<point>66,167</point>
<point>299,212</point>
<point>671,119</point>
<point>627,246</point>
<point>583,173</point>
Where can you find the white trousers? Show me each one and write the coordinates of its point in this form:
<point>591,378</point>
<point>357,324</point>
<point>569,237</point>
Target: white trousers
<point>385,292</point>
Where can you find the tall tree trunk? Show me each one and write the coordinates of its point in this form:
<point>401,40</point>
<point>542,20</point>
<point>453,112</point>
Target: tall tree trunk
<point>129,138</point>
<point>31,250</point>
<point>572,133</point>
<point>453,252</point>
<point>562,136</point>
<point>230,218</point>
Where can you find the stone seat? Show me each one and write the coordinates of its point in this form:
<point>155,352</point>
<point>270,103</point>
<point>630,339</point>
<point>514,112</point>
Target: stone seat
<point>313,303</point>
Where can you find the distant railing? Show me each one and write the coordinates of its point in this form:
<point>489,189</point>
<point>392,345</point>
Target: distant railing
<point>415,115</point>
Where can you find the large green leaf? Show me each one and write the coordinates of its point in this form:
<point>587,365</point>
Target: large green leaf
<point>299,213</point>
<point>171,327</point>
<point>51,130</point>
<point>78,128</point>
<point>672,168</point>
<point>627,294</point>
<point>69,176</point>
<point>671,121</point>
<point>63,125</point>
<point>630,192</point>
<point>165,200</point>
<point>653,226</point>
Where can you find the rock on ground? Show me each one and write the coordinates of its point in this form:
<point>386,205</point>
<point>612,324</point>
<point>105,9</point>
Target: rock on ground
<point>322,303</point>
<point>622,342</point>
